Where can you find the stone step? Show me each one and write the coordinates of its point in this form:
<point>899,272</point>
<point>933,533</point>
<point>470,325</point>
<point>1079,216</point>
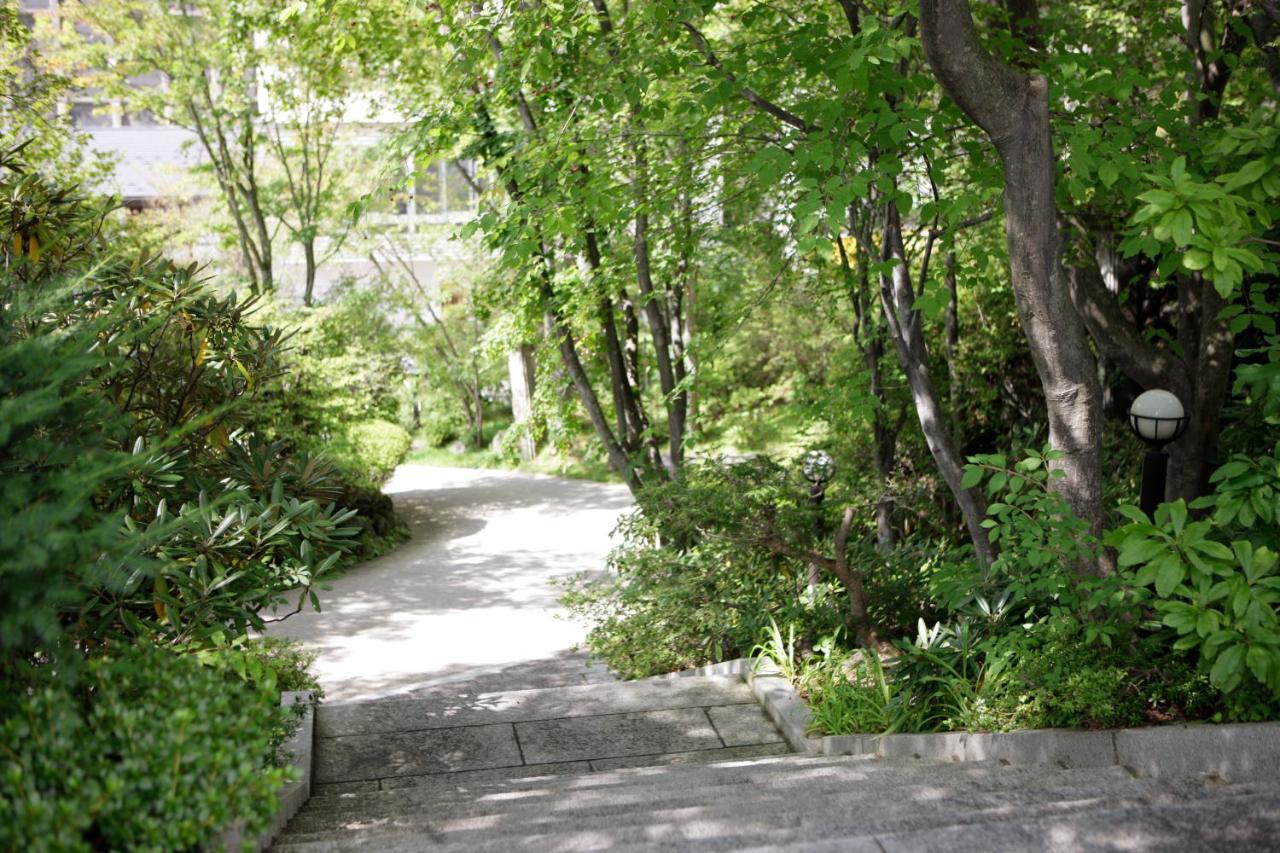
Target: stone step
<point>608,725</point>
<point>456,709</point>
<point>738,796</point>
<point>763,776</point>
<point>1230,822</point>
<point>717,823</point>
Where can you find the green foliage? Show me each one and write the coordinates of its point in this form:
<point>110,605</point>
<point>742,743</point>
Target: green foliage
<point>853,694</point>
<point>666,610</point>
<point>131,468</point>
<point>151,751</point>
<point>55,455</point>
<point>343,378</point>
<point>443,420</point>
<point>374,448</point>
<point>1215,581</point>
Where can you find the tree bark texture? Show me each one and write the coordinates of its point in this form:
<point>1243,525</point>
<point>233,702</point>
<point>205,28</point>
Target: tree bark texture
<point>1013,109</point>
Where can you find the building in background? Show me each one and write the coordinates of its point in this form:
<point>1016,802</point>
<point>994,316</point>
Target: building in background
<point>157,165</point>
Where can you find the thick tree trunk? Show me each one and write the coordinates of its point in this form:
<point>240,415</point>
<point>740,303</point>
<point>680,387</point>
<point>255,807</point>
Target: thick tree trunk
<point>1013,109</point>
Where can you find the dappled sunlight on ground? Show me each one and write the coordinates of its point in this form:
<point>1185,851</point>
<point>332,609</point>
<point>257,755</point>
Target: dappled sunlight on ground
<point>470,591</point>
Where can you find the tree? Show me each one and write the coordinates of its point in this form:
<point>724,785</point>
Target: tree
<point>196,66</point>
<point>1012,108</point>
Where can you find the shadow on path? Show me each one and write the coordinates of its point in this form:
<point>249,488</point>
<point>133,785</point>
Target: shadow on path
<point>471,590</point>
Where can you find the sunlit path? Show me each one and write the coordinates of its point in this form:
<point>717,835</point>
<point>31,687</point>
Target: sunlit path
<point>470,592</point>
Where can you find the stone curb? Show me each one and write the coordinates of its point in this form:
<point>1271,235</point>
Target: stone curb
<point>1236,752</point>
<point>292,795</point>
<point>774,693</point>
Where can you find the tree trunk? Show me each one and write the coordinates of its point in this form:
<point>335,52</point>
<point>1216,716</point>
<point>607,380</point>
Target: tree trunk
<point>898,297</point>
<point>1013,110</point>
<point>309,257</point>
<point>520,369</point>
<point>656,310</point>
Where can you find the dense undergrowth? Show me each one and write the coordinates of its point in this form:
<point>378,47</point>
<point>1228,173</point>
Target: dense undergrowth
<point>155,512</point>
<point>716,565</point>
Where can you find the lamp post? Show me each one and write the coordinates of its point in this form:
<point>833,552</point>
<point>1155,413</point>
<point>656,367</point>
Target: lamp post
<point>819,469</point>
<point>1157,417</point>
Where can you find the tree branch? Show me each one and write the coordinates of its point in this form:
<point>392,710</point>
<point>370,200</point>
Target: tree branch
<point>750,95</point>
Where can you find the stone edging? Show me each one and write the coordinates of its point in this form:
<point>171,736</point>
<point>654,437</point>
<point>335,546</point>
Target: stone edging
<point>1236,752</point>
<point>292,795</point>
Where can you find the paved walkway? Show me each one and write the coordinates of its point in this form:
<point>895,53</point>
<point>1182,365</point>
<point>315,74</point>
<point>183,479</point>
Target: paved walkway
<point>468,597</point>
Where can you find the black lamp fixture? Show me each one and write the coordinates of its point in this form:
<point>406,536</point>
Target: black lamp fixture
<point>1157,417</point>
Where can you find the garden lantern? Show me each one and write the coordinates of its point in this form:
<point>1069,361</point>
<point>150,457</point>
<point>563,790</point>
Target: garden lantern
<point>1157,417</point>
<point>818,468</point>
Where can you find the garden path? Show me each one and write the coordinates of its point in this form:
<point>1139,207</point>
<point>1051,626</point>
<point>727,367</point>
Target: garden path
<point>469,596</point>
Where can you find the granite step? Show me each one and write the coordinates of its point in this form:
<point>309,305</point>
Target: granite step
<point>713,819</point>
<point>740,800</point>
<point>606,725</point>
<point>763,778</point>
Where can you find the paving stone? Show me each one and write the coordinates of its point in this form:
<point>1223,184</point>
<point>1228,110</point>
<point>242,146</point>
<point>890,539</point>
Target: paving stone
<point>415,753</point>
<point>742,725</point>
<point>613,735</point>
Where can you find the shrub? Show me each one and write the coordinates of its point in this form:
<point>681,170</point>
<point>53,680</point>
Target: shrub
<point>669,609</point>
<point>369,451</point>
<point>442,418</point>
<point>55,439</point>
<point>151,751</point>
<point>124,412</point>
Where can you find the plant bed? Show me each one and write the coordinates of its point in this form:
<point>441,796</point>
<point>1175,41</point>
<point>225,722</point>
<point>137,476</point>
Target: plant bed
<point>291,795</point>
<point>1236,752</point>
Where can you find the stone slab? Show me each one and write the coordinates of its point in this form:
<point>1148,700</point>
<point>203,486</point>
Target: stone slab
<point>344,789</point>
<point>1240,752</point>
<point>849,745</point>
<point>464,778</point>
<point>1059,747</point>
<point>788,712</point>
<point>743,725</point>
<point>704,756</point>
<point>435,712</point>
<point>935,747</point>
<point>379,756</point>
<point>616,735</point>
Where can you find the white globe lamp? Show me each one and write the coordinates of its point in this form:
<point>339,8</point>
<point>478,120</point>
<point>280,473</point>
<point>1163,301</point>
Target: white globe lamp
<point>1157,417</point>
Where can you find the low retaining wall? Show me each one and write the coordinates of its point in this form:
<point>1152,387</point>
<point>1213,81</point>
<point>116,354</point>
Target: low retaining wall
<point>292,795</point>
<point>1236,752</point>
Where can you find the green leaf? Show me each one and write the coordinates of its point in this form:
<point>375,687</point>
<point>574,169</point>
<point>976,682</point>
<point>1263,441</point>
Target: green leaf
<point>1260,662</point>
<point>1140,550</point>
<point>1169,573</point>
<point>1226,671</point>
<point>972,477</point>
<point>1196,259</point>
